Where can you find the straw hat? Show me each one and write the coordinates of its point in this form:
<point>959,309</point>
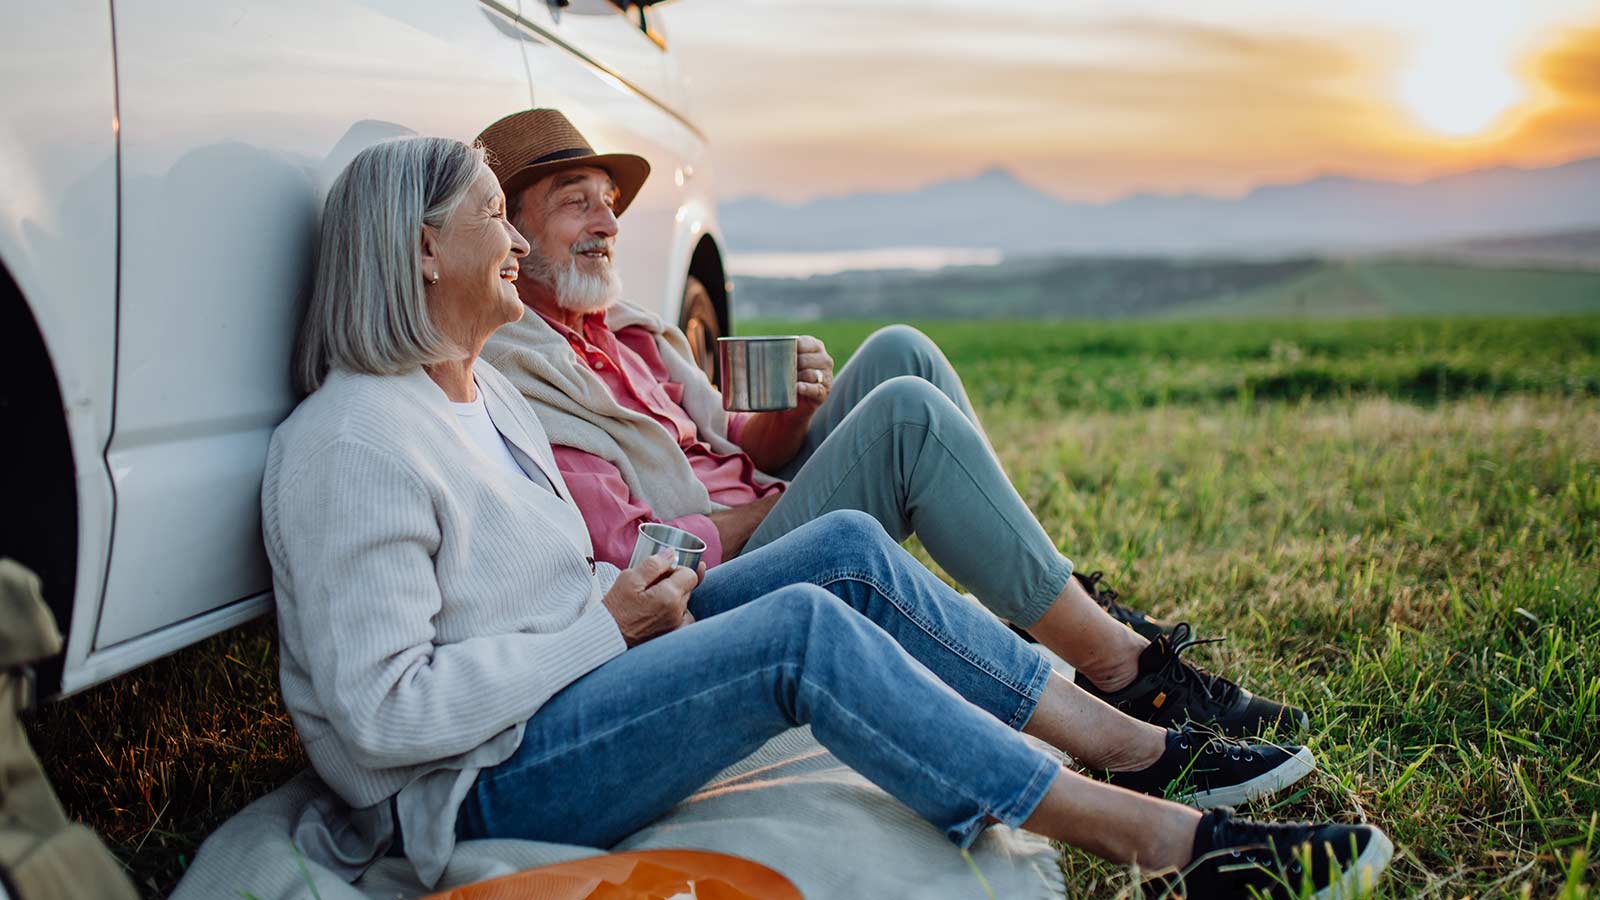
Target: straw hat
<point>526,146</point>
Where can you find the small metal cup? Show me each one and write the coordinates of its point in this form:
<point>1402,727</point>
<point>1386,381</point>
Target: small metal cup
<point>655,537</point>
<point>758,373</point>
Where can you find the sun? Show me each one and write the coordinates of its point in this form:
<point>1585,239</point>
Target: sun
<point>1457,89</point>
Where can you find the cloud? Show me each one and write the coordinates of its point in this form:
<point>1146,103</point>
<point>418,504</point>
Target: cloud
<point>939,97</point>
<point>831,96</point>
<point>1571,66</point>
<point>1567,122</point>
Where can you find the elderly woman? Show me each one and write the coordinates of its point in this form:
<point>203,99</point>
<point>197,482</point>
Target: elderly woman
<point>458,665</point>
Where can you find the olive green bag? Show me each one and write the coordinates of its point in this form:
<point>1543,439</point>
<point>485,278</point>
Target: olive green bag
<point>43,856</point>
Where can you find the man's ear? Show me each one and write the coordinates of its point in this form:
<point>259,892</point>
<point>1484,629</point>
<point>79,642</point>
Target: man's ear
<point>428,253</point>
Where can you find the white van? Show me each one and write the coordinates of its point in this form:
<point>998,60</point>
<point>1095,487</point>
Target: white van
<point>164,167</point>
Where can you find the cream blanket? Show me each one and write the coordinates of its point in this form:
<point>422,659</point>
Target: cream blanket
<point>578,411</point>
<point>791,806</point>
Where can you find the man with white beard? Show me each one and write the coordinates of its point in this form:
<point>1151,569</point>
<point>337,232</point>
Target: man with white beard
<point>640,435</point>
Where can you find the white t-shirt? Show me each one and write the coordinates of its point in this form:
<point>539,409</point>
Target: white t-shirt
<point>474,417</point>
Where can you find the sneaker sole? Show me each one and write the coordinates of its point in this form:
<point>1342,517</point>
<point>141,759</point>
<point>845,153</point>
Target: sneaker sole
<point>1361,878</point>
<point>1266,784</point>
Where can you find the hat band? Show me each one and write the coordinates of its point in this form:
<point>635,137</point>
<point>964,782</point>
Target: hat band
<point>559,155</point>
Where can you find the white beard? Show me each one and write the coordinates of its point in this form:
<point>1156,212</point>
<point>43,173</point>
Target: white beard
<point>574,289</point>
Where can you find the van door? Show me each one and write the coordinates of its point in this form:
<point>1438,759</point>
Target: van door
<point>235,117</point>
<point>594,62</point>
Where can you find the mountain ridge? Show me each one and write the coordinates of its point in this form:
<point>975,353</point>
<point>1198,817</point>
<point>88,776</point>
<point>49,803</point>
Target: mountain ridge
<point>1325,213</point>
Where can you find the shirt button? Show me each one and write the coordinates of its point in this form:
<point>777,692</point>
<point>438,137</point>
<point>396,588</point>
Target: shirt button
<point>598,365</point>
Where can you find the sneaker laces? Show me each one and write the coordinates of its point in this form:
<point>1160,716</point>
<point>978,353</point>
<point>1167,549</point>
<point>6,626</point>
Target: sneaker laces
<point>1102,594</point>
<point>1212,744</point>
<point>1216,689</point>
<point>1260,843</point>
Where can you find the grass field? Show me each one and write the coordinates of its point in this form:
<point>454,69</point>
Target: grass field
<point>1076,288</point>
<point>1395,523</point>
<point>1377,289</point>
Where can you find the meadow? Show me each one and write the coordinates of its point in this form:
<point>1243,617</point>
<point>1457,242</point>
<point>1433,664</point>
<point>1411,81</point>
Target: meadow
<point>1078,288</point>
<point>1395,523</point>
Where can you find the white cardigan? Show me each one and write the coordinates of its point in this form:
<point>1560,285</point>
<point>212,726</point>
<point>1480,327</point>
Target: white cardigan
<point>429,601</point>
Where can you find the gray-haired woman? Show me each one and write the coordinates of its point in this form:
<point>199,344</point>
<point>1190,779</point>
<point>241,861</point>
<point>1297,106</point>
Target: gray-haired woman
<point>458,666</point>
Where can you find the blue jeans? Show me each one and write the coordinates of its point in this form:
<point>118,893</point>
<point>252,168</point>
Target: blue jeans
<point>898,439</point>
<point>833,626</point>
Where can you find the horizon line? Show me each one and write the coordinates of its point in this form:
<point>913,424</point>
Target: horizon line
<point>1319,175</point>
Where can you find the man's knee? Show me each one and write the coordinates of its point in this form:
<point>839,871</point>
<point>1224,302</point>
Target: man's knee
<point>902,350</point>
<point>909,399</point>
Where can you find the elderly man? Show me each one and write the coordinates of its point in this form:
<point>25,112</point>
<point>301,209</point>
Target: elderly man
<point>640,435</point>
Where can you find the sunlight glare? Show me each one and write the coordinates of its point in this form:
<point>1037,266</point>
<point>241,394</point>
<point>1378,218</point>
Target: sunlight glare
<point>1460,87</point>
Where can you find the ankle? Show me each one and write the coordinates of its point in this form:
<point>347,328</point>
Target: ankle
<point>1171,846</point>
<point>1142,750</point>
<point>1111,677</point>
<point>1116,669</point>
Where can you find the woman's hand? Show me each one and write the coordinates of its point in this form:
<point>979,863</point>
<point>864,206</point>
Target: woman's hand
<point>652,598</point>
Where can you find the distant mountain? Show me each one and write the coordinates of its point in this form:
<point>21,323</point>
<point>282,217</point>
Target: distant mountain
<point>1323,215</point>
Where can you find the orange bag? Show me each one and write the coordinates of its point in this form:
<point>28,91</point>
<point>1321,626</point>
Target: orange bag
<point>641,875</point>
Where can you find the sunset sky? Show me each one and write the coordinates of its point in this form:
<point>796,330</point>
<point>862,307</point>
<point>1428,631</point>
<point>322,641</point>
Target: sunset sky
<point>1096,99</point>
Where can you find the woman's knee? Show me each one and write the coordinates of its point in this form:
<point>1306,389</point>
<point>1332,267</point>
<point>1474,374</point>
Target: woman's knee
<point>796,609</point>
<point>852,529</point>
<point>792,619</point>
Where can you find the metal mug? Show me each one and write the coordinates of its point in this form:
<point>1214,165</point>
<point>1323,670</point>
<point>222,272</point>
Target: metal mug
<point>655,537</point>
<point>758,373</point>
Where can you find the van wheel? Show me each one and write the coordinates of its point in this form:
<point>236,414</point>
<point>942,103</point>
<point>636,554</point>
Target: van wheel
<point>701,326</point>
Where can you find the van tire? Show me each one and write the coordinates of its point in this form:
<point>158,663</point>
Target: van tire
<point>701,326</point>
<point>39,512</point>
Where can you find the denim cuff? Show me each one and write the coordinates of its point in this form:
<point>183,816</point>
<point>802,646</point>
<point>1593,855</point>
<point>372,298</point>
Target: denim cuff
<point>1014,813</point>
<point>1048,589</point>
<point>1031,694</point>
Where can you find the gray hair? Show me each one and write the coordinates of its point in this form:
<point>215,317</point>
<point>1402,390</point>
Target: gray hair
<point>369,310</point>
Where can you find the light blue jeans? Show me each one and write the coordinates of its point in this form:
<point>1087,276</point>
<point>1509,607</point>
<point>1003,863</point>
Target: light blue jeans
<point>898,439</point>
<point>833,626</point>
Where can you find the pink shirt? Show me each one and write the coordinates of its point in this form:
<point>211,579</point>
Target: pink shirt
<point>630,364</point>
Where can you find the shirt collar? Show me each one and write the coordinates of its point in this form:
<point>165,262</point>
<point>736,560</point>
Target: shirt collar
<point>589,322</point>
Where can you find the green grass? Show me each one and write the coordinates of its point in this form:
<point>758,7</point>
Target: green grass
<point>1376,289</point>
<point>1422,580</point>
<point>1418,565</point>
<point>1079,288</point>
<point>1049,366</point>
<point>1396,524</point>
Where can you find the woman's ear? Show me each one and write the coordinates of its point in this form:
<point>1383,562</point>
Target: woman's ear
<point>428,254</point>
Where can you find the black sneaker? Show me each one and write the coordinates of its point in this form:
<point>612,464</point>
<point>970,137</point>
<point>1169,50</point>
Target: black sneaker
<point>1170,691</point>
<point>1144,624</point>
<point>1206,770</point>
<point>1240,858</point>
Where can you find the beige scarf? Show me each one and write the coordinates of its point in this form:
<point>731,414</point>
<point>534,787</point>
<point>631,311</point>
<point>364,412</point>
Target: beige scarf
<point>578,411</point>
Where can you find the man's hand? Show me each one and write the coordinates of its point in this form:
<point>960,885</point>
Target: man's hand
<point>652,598</point>
<point>814,374</point>
<point>773,438</point>
<point>734,526</point>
